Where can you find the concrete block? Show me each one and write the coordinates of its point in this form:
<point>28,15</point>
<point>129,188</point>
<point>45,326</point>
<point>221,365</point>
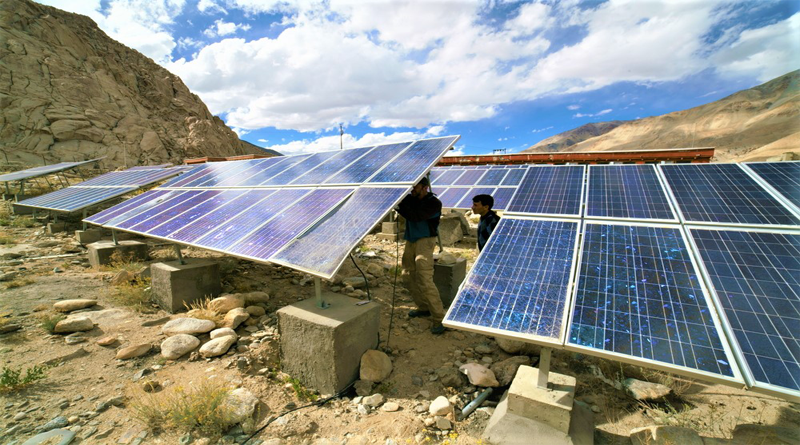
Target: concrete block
<point>88,236</point>
<point>101,252</point>
<point>389,236</point>
<point>174,284</point>
<point>551,406</point>
<point>323,347</point>
<point>22,210</point>
<point>56,227</point>
<point>389,227</point>
<point>450,231</point>
<point>447,278</point>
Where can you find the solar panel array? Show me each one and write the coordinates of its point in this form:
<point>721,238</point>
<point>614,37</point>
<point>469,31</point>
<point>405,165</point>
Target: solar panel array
<point>304,211</point>
<point>655,283</point>
<point>42,170</point>
<point>99,189</point>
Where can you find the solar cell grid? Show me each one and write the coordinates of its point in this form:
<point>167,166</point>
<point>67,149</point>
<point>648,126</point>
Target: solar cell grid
<point>627,192</point>
<point>406,167</point>
<point>165,211</point>
<point>269,171</point>
<point>289,174</point>
<point>330,167</point>
<point>448,178</point>
<point>71,199</point>
<point>108,214</point>
<point>514,176</point>
<point>175,221</point>
<point>189,233</point>
<point>724,194</point>
<point>502,196</point>
<point>782,176</point>
<point>366,166</point>
<point>493,176</point>
<point>235,176</point>
<point>466,200</point>
<point>550,190</point>
<point>450,197</point>
<point>203,173</point>
<point>519,283</point>
<point>639,297</point>
<point>470,177</point>
<point>41,170</point>
<point>756,278</point>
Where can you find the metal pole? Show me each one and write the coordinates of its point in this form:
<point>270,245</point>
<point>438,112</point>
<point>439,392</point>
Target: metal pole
<point>178,253</point>
<point>21,191</point>
<point>475,403</point>
<point>544,368</point>
<point>318,289</point>
<point>114,237</point>
<point>83,219</point>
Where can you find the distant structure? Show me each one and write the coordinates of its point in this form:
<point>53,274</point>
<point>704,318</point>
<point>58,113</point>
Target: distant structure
<point>674,155</point>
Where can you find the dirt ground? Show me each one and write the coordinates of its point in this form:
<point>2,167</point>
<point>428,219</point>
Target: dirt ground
<point>49,268</point>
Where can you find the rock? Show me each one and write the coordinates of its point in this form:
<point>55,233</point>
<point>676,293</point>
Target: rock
<point>390,407</point>
<point>440,406</point>
<point>9,327</point>
<point>73,305</point>
<point>177,345</point>
<point>188,326</point>
<point>141,373</point>
<point>150,386</point>
<point>354,282</point>
<point>517,347</point>
<point>375,366</point>
<point>222,332</point>
<point>422,407</point>
<point>155,322</point>
<point>8,276</point>
<point>505,370</point>
<point>364,387</point>
<point>667,435</point>
<point>375,270</point>
<point>75,338</point>
<point>235,317</point>
<point>58,422</point>
<point>54,436</point>
<point>374,400</point>
<point>240,403</point>
<point>447,258</point>
<point>107,341</point>
<point>255,311</point>
<point>217,346</point>
<point>771,434</point>
<point>226,303</point>
<point>479,375</point>
<point>76,323</point>
<point>133,351</point>
<point>450,231</point>
<point>483,348</point>
<point>123,277</point>
<point>255,298</point>
<point>442,423</point>
<point>641,390</point>
<point>451,378</point>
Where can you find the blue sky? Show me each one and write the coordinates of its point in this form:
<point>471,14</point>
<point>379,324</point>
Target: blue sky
<point>502,74</point>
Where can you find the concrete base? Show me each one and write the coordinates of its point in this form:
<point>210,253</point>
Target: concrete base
<point>551,406</point>
<point>447,278</point>
<point>507,428</point>
<point>389,227</point>
<point>389,236</point>
<point>176,285</point>
<point>88,236</point>
<point>323,347</point>
<point>100,253</point>
<point>56,227</point>
<point>21,210</point>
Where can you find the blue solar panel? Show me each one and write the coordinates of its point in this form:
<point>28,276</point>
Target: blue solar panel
<point>72,199</point>
<point>550,190</point>
<point>452,196</point>
<point>41,170</point>
<point>514,176</point>
<point>502,196</point>
<point>448,178</point>
<point>270,171</point>
<point>206,172</point>
<point>782,176</point>
<point>288,224</point>
<point>466,201</point>
<point>234,176</point>
<point>130,178</point>
<point>627,192</point>
<point>639,296</point>
<point>494,176</point>
<point>109,214</point>
<point>406,167</point>
<point>175,221</point>
<point>470,177</point>
<point>368,165</point>
<point>519,283</point>
<point>324,171</point>
<point>756,278</point>
<point>289,174</point>
<point>211,221</point>
<point>724,194</point>
<point>322,250</point>
<point>150,209</point>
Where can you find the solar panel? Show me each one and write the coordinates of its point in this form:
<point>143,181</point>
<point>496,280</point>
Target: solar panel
<point>330,167</point>
<point>756,278</point>
<point>159,214</point>
<point>406,167</point>
<point>724,194</point>
<point>176,221</point>
<point>364,167</point>
<point>323,249</point>
<point>448,178</point>
<point>233,176</point>
<point>466,200</point>
<point>72,199</point>
<point>502,196</point>
<point>514,176</point>
<point>627,192</point>
<point>202,173</point>
<point>436,172</point>
<point>42,170</point>
<point>550,190</point>
<point>494,176</point>
<point>518,286</point>
<point>470,177</point>
<point>150,167</point>
<point>270,171</point>
<point>782,176</point>
<point>639,299</point>
<point>129,177</point>
<point>450,197</point>
<point>109,214</point>
<point>289,174</point>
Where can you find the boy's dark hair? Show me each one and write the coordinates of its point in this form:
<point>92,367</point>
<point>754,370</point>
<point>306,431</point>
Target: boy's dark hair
<point>486,200</point>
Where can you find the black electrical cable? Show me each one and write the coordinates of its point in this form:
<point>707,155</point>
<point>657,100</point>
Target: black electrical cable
<point>317,403</point>
<point>366,282</point>
<point>394,289</point>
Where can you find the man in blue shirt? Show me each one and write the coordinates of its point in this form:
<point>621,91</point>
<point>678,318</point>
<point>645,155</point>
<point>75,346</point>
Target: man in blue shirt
<point>422,211</point>
<point>482,205</point>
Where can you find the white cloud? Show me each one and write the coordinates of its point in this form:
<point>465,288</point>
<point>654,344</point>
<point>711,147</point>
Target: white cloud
<point>457,150</point>
<point>328,143</point>
<point>435,130</point>
<point>599,113</point>
<point>223,28</point>
<point>573,107</point>
<point>263,140</point>
<point>210,6</point>
<point>539,130</point>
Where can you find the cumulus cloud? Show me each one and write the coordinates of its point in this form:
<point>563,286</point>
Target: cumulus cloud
<point>327,143</point>
<point>599,113</point>
<point>573,107</point>
<point>223,28</point>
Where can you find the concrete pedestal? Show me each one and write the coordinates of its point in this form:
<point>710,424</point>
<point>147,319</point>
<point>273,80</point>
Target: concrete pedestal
<point>56,227</point>
<point>323,347</point>
<point>101,252</point>
<point>21,210</point>
<point>176,285</point>
<point>389,236</point>
<point>389,227</point>
<point>88,236</point>
<point>447,278</point>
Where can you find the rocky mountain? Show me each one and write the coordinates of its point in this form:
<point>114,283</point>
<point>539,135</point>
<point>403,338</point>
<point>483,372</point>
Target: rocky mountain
<point>70,92</point>
<point>563,141</point>
<point>753,124</point>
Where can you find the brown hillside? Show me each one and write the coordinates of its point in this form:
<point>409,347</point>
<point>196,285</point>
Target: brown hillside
<point>752,124</point>
<point>68,91</point>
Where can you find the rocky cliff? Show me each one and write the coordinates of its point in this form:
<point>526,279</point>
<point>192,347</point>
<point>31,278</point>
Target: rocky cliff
<point>752,124</point>
<point>70,92</point>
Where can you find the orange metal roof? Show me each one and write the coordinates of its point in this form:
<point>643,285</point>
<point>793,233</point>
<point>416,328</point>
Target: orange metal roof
<point>694,155</point>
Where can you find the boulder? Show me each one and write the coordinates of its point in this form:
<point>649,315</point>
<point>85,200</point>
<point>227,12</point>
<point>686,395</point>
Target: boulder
<point>217,346</point>
<point>222,332</point>
<point>363,387</point>
<point>479,375</point>
<point>375,270</point>
<point>255,311</point>
<point>450,229</point>
<point>189,326</point>
<point>123,277</point>
<point>72,324</point>
<point>451,378</point>
<point>505,370</point>
<point>440,407</point>
<point>517,347</point>
<point>375,366</point>
<point>255,297</point>
<point>241,404</point>
<point>176,346</point>
<point>374,400</point>
<point>644,391</point>
<point>235,317</point>
<point>226,303</point>
<point>133,351</point>
<point>73,305</point>
<point>354,282</point>
<point>771,434</point>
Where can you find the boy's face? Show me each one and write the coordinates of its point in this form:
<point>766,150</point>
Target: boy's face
<point>479,208</point>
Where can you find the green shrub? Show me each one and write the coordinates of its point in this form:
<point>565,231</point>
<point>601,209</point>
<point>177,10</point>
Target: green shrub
<point>11,379</point>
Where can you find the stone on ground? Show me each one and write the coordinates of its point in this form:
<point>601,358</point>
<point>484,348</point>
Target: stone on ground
<point>354,282</point>
<point>73,305</point>
<point>225,303</point>
<point>78,323</point>
<point>440,406</point>
<point>222,332</point>
<point>255,297</point>
<point>123,277</point>
<point>375,366</point>
<point>506,370</point>
<point>641,390</point>
<point>133,351</point>
<point>374,400</point>
<point>479,375</point>
<point>235,317</point>
<point>241,404</point>
<point>255,311</point>
<point>217,346</point>
<point>176,346</point>
<point>188,326</point>
<point>107,341</point>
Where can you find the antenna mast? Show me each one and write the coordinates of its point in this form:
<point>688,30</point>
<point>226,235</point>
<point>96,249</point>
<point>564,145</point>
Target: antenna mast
<point>341,137</point>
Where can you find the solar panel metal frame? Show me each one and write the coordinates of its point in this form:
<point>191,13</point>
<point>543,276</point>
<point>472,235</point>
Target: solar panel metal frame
<point>455,138</point>
<point>661,182</point>
<point>339,266</point>
<point>35,172</point>
<point>748,173</point>
<point>752,384</point>
<point>541,341</point>
<point>581,200</point>
<point>764,183</point>
<point>736,381</point>
<point>399,152</point>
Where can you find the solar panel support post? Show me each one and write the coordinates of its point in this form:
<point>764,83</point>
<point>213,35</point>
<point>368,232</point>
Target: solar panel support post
<point>544,368</point>
<point>83,219</point>
<point>114,237</point>
<point>318,290</point>
<point>178,254</point>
